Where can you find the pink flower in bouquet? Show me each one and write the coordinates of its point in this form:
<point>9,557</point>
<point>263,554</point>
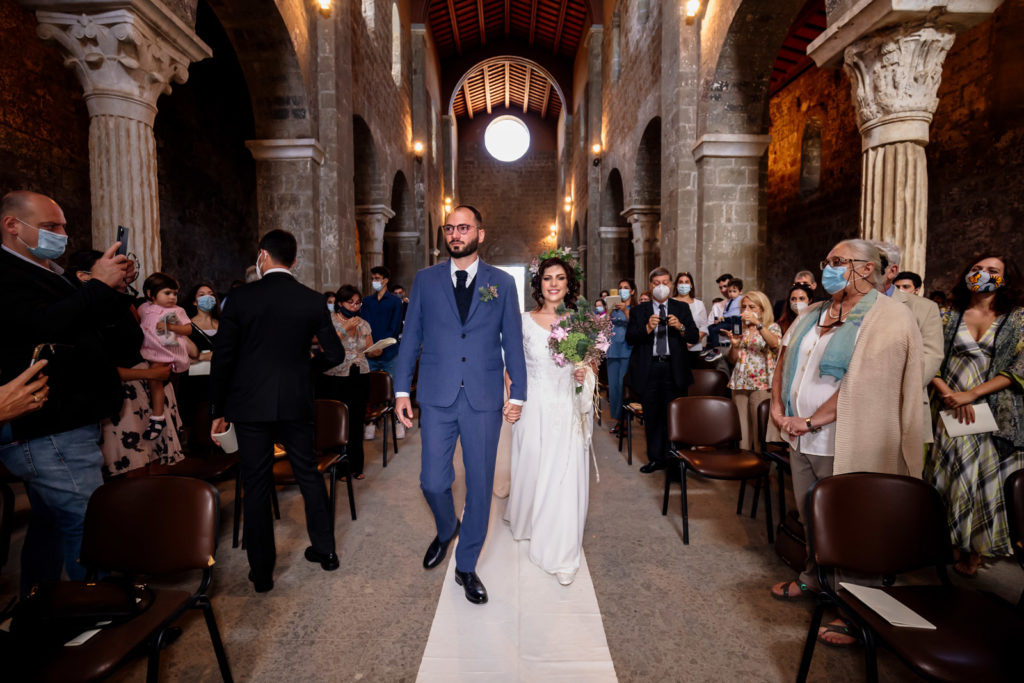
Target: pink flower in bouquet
<point>558,333</point>
<point>602,345</point>
<point>559,360</point>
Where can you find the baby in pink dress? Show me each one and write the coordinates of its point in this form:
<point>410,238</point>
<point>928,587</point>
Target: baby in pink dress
<point>164,326</point>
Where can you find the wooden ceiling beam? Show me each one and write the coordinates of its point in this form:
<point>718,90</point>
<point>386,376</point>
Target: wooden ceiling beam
<point>455,28</point>
<point>508,18</point>
<point>487,88</point>
<point>526,90</point>
<point>561,24</point>
<point>465,94</point>
<point>508,82</point>
<point>547,99</point>
<point>483,25</point>
<point>533,20</point>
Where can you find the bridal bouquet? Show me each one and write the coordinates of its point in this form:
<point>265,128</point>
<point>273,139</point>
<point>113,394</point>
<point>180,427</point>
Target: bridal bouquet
<point>580,337</point>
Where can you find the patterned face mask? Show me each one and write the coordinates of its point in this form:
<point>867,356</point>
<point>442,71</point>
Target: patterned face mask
<point>981,281</point>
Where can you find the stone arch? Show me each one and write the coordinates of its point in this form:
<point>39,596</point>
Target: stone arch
<point>400,235</point>
<point>616,246</point>
<point>613,201</point>
<point>368,186</point>
<point>810,158</point>
<point>647,176</point>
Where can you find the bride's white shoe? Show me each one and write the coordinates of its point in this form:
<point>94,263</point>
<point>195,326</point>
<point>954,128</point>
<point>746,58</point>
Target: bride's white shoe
<point>565,578</point>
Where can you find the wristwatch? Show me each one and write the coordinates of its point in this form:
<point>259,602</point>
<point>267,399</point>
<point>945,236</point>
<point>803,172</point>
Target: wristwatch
<point>810,427</point>
<point>759,326</point>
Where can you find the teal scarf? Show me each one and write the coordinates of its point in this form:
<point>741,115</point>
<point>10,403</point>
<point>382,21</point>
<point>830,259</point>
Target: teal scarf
<point>836,359</point>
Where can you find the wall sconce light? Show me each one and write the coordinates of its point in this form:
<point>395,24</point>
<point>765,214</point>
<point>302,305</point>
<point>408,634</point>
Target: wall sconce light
<point>596,149</point>
<point>325,7</point>
<point>567,204</point>
<point>692,9</point>
<point>447,206</point>
<point>417,149</point>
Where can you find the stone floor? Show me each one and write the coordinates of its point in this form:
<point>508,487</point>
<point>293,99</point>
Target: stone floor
<point>671,612</point>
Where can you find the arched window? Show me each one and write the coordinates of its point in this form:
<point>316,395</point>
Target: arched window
<point>396,45</point>
<point>810,158</point>
<point>369,13</point>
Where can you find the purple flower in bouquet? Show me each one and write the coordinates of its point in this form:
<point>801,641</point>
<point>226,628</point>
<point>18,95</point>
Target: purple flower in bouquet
<point>580,337</point>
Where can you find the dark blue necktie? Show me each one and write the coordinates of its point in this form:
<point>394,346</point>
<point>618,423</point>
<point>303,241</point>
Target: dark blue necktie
<point>661,344</point>
<point>463,295</point>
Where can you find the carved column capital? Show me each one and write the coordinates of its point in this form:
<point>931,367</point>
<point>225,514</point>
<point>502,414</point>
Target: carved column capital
<point>124,58</point>
<point>895,75</point>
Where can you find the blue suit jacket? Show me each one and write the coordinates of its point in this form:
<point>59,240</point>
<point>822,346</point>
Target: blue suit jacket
<point>454,354</point>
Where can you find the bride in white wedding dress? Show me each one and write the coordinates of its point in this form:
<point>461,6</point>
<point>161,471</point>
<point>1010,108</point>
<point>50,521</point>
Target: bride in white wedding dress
<point>551,441</point>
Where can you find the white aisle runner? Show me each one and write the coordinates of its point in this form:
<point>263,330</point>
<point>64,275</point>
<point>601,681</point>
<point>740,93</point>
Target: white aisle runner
<point>531,629</point>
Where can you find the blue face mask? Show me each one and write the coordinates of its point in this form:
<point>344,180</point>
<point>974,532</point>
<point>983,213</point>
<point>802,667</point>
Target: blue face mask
<point>599,309</point>
<point>377,285</point>
<point>49,245</point>
<point>624,293</point>
<point>684,289</point>
<point>206,302</point>
<point>833,278</point>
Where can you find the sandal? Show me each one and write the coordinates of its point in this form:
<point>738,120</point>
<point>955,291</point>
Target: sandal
<point>840,627</point>
<point>969,568</point>
<point>805,591</point>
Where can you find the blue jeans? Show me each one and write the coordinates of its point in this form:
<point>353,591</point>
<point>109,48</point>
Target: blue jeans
<point>60,472</point>
<point>387,366</point>
<point>616,373</point>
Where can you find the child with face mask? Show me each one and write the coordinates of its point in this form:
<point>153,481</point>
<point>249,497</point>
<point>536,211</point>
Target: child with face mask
<point>165,327</point>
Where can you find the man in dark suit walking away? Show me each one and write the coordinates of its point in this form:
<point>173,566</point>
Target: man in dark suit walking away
<point>659,369</point>
<point>261,379</point>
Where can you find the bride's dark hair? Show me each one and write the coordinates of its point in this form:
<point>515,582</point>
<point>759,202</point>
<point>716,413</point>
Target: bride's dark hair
<point>572,284</point>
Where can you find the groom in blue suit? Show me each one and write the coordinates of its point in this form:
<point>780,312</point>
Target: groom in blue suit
<point>462,315</point>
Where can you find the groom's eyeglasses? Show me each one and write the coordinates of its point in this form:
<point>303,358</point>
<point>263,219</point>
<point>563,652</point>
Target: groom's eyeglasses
<point>463,228</point>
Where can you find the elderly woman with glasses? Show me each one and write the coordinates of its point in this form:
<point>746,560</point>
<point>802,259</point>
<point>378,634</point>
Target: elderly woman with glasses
<point>846,393</point>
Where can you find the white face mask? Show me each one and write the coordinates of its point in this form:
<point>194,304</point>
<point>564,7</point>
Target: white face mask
<point>661,292</point>
<point>799,307</point>
<point>259,271</point>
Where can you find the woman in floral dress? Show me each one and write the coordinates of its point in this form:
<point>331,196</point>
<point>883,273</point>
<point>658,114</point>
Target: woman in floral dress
<point>984,364</point>
<point>753,353</point>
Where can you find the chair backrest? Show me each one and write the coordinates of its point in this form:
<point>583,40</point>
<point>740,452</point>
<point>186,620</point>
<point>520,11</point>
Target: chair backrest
<point>1013,493</point>
<point>764,416</point>
<point>381,388</point>
<point>709,383</point>
<point>331,423</point>
<point>877,524</point>
<point>151,525</point>
<point>703,421</point>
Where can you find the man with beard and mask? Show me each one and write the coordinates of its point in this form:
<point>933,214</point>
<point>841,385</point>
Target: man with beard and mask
<point>659,368</point>
<point>261,380</point>
<point>55,449</point>
<point>465,327</point>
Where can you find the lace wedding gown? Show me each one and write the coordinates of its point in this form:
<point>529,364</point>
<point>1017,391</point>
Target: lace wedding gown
<point>550,459</point>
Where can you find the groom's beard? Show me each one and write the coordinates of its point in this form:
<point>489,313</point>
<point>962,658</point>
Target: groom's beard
<point>467,248</point>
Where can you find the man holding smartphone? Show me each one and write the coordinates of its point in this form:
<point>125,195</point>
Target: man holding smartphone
<point>55,449</point>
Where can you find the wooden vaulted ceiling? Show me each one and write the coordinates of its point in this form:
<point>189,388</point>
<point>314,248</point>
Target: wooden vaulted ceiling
<point>459,25</point>
<point>510,83</point>
<point>792,59</point>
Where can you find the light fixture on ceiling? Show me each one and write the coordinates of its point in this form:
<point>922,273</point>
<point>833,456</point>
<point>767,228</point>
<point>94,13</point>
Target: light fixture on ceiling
<point>692,9</point>
<point>325,7</point>
<point>417,149</point>
<point>596,149</point>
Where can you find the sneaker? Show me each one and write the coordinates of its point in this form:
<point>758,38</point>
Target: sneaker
<point>399,431</point>
<point>369,431</point>
<point>712,356</point>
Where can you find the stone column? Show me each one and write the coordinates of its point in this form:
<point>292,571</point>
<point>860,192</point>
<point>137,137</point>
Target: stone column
<point>646,222</point>
<point>731,224</point>
<point>124,58</point>
<point>401,254</point>
<point>893,52</point>
<point>614,241</point>
<point>370,221</point>
<point>288,198</point>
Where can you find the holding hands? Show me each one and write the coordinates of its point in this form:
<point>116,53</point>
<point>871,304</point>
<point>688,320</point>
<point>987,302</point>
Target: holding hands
<point>511,412</point>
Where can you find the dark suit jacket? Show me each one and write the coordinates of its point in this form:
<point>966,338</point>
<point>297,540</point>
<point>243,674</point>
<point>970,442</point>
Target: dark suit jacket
<point>261,369</point>
<point>643,344</point>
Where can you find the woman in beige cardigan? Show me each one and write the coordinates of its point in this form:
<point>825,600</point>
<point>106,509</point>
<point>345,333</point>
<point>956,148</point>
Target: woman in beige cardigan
<point>846,392</point>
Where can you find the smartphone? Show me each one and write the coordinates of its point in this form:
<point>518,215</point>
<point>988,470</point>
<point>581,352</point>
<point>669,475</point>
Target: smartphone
<point>122,237</point>
<point>737,326</point>
<point>42,352</point>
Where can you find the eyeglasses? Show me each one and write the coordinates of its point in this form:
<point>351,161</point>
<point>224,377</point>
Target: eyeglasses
<point>837,261</point>
<point>463,228</point>
<point>353,304</point>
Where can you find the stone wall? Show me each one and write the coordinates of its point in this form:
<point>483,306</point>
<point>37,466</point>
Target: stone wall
<point>518,200</point>
<point>44,127</point>
<point>208,222</point>
<point>975,158</point>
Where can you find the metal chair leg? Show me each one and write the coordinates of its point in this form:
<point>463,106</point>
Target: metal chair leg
<point>394,431</point>
<point>768,509</point>
<point>743,492</point>
<point>686,514</point>
<point>812,638</point>
<point>153,666</point>
<point>331,497</point>
<point>870,656</point>
<point>664,502</point>
<point>351,495</point>
<point>384,447</point>
<point>238,507</point>
<point>218,645</point>
<point>629,440</point>
<point>757,496</point>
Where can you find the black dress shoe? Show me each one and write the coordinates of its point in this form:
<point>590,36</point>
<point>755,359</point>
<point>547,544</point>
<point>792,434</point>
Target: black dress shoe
<point>438,549</point>
<point>474,587</point>
<point>652,466</point>
<point>264,584</point>
<point>329,561</point>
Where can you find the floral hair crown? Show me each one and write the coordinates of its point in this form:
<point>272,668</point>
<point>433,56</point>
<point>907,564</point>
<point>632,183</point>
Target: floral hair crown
<point>561,253</point>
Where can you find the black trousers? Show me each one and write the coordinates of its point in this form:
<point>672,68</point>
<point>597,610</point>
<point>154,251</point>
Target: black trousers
<point>661,390</point>
<point>353,392</point>
<point>256,453</point>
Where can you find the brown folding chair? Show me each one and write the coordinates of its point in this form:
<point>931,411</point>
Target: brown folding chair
<point>631,410</point>
<point>1013,494</point>
<point>704,431</point>
<point>331,442</point>
<point>380,407</point>
<point>885,525</point>
<point>143,527</point>
<point>709,382</point>
<point>212,468</point>
<point>776,452</point>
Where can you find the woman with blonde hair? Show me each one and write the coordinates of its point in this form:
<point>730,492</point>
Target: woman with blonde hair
<point>752,354</point>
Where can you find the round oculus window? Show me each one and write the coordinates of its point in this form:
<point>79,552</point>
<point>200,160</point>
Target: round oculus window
<point>507,138</point>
